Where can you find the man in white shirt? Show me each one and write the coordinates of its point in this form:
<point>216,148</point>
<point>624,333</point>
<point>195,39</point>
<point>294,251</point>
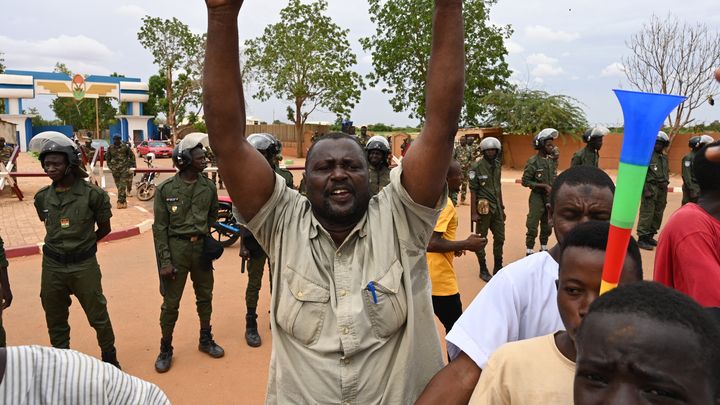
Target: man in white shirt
<point>521,301</point>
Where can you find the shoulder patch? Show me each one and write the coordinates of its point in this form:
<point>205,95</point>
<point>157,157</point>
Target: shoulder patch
<point>471,174</point>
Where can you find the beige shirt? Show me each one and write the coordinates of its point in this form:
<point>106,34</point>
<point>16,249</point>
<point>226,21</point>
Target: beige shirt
<point>333,340</point>
<point>527,372</point>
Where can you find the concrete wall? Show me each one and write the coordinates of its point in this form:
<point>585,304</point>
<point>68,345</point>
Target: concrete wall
<point>8,131</point>
<point>517,149</point>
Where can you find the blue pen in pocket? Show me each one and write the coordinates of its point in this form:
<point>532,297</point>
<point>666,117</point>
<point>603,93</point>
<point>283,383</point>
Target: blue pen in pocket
<point>371,288</point>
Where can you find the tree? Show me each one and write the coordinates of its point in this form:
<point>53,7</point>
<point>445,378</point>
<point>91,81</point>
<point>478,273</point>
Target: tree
<point>670,57</point>
<point>2,62</point>
<point>179,54</point>
<point>80,114</point>
<point>529,111</point>
<point>305,59</point>
<point>401,51</point>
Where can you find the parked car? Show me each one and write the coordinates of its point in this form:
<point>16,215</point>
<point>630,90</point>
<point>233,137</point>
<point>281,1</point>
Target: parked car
<point>159,148</point>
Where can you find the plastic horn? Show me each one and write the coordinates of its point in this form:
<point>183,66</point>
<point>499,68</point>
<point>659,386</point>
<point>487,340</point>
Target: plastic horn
<point>644,114</point>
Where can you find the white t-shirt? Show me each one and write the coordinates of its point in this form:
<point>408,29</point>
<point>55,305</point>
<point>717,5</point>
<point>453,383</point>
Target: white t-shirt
<point>520,302</point>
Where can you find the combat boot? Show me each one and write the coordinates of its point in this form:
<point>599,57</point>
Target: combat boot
<point>652,241</point>
<point>208,345</point>
<point>484,273</point>
<point>644,243</point>
<point>252,337</point>
<point>121,205</point>
<point>110,357</point>
<point>164,359</point>
<point>498,266</point>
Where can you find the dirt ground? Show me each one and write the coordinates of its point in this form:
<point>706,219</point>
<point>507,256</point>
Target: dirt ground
<point>131,286</point>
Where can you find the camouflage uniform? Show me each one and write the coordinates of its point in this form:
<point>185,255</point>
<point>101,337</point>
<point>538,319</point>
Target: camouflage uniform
<point>652,207</point>
<point>690,188</point>
<point>379,178</point>
<point>464,156</point>
<point>5,154</point>
<point>120,159</point>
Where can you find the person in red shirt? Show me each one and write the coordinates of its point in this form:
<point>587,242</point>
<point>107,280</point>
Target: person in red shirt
<point>688,252</point>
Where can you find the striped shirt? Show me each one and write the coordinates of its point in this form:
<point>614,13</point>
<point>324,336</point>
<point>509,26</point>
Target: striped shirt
<point>45,375</point>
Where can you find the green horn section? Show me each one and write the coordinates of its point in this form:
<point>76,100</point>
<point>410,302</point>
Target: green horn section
<point>630,182</point>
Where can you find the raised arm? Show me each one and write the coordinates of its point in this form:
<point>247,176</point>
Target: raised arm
<point>246,173</point>
<point>425,165</point>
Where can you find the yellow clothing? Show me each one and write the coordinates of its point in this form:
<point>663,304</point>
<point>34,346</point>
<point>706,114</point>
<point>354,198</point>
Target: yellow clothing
<point>442,273</point>
<point>527,372</point>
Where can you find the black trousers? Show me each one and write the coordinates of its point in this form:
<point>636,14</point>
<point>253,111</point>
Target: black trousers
<point>448,309</point>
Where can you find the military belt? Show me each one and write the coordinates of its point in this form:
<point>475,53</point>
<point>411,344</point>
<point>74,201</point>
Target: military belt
<point>69,258</point>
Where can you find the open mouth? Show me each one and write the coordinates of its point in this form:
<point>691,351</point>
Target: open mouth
<point>341,194</point>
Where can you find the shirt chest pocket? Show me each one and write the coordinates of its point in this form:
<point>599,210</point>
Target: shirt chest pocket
<point>539,174</point>
<point>301,307</point>
<point>386,302</point>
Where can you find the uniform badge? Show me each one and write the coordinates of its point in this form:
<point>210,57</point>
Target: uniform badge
<point>174,209</point>
<point>654,167</point>
<point>687,163</point>
<point>471,174</point>
<point>64,223</point>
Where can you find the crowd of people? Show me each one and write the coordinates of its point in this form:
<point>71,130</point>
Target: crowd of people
<point>361,262</point>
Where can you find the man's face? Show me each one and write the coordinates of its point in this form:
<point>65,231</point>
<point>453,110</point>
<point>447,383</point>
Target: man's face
<point>375,157</point>
<point>337,181</point>
<point>197,160</point>
<point>577,204</point>
<point>55,165</point>
<point>548,147</point>
<point>659,146</point>
<point>596,143</point>
<point>454,178</point>
<point>363,131</point>
<point>490,154</point>
<point>470,140</point>
<point>2,142</point>
<point>463,141</point>
<point>579,283</point>
<point>116,141</point>
<point>628,359</point>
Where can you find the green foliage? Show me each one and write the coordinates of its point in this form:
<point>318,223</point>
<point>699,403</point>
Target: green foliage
<point>179,55</point>
<point>401,52</point>
<point>80,114</point>
<point>37,119</point>
<point>2,62</point>
<point>305,59</point>
<point>527,111</point>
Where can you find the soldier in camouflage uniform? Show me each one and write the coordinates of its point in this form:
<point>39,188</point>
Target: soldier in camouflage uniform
<point>654,198</point>
<point>250,250</point>
<point>539,176</point>
<point>215,176</point>
<point>5,154</point>
<point>690,188</point>
<point>120,158</point>
<point>486,204</point>
<point>378,150</point>
<point>88,150</point>
<point>590,154</point>
<point>463,155</point>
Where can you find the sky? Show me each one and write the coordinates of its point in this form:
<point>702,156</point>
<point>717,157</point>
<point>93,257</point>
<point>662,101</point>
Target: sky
<point>571,47</point>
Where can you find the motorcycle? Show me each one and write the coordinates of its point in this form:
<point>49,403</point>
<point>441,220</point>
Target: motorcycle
<point>146,186</point>
<point>226,229</point>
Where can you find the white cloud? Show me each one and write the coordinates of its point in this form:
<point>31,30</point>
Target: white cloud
<point>513,47</point>
<point>542,33</point>
<point>131,10</point>
<point>613,69</point>
<point>540,58</point>
<point>544,70</point>
<point>538,80</point>
<point>81,54</point>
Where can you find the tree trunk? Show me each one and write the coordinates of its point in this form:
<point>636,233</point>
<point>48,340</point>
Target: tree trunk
<point>299,132</point>
<point>171,108</point>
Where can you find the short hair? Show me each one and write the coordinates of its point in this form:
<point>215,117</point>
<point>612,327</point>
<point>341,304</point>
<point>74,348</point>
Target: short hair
<point>331,136</point>
<point>594,235</point>
<point>654,301</point>
<point>580,175</point>
<point>707,173</point>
